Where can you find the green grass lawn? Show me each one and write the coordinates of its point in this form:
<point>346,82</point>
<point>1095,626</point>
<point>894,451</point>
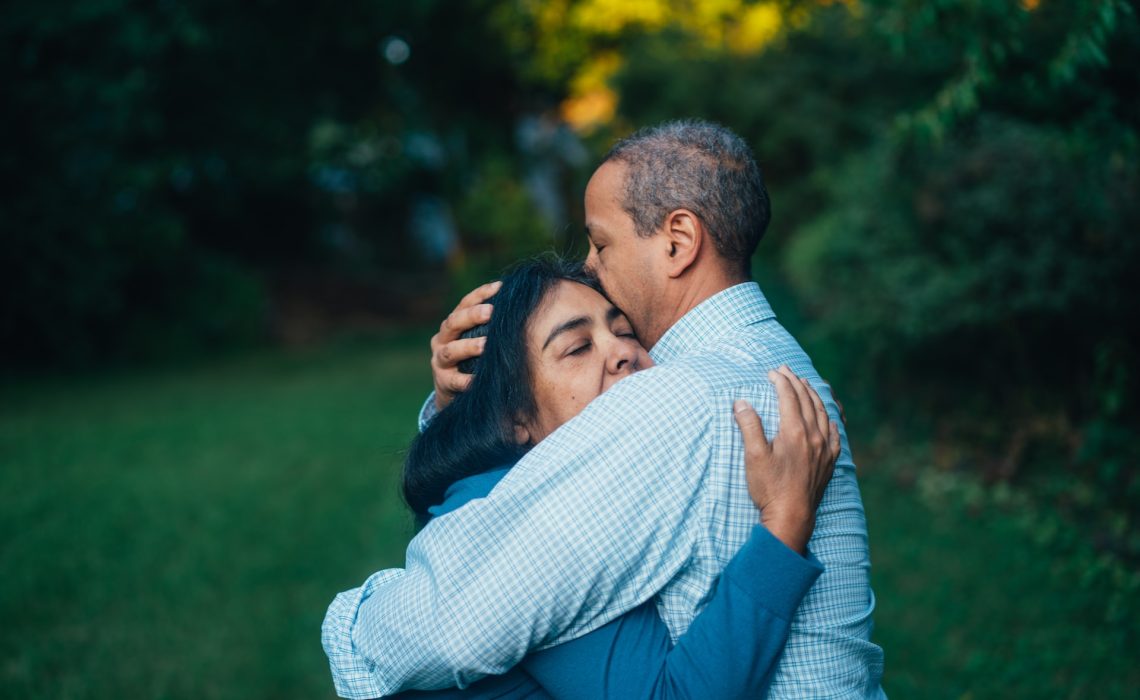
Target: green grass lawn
<point>179,533</point>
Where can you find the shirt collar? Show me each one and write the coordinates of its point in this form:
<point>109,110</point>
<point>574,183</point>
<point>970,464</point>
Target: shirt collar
<point>723,312</point>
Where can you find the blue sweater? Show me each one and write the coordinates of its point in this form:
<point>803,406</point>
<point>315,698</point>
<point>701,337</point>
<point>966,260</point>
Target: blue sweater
<point>729,651</point>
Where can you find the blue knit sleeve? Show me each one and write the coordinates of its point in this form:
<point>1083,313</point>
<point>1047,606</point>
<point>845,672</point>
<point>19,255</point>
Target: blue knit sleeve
<point>729,651</point>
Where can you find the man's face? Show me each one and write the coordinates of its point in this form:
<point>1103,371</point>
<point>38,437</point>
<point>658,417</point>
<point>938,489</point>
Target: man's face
<point>623,261</point>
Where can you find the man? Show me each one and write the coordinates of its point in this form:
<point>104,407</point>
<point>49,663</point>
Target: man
<point>643,493</point>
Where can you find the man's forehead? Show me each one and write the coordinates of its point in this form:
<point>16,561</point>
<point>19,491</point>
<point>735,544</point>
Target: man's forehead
<point>604,196</point>
<point>608,179</point>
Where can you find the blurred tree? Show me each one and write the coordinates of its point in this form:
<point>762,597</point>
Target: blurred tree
<point>977,255</point>
<point>162,160</point>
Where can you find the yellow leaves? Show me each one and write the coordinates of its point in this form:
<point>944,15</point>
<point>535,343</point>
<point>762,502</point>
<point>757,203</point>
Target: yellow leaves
<point>709,19</point>
<point>1030,5</point>
<point>756,27</point>
<point>610,17</point>
<point>592,102</point>
<point>587,112</point>
<point>575,37</point>
<point>735,25</point>
<point>738,25</point>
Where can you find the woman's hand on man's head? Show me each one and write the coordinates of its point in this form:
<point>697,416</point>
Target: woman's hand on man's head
<point>448,348</point>
<point>787,476</point>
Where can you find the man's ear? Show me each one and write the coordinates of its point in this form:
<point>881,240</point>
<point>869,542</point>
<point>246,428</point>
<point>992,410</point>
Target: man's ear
<point>684,234</point>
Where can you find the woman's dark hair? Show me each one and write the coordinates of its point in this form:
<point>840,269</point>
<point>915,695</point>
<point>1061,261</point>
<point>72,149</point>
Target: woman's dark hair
<point>476,433</point>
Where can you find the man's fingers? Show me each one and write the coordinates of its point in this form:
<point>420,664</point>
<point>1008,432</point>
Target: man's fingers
<point>791,418</point>
<point>755,441</point>
<point>480,294</point>
<point>457,382</point>
<point>451,354</point>
<point>833,440</point>
<point>460,321</point>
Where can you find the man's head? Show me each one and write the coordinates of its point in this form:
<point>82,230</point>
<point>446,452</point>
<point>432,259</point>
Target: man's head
<point>674,214</point>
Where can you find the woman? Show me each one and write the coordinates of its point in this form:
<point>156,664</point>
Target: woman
<point>553,344</point>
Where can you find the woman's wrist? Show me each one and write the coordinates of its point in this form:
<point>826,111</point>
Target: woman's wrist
<point>792,525</point>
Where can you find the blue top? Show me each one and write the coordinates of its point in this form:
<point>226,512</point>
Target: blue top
<point>729,651</point>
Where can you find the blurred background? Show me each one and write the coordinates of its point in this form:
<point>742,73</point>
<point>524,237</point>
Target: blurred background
<point>228,229</point>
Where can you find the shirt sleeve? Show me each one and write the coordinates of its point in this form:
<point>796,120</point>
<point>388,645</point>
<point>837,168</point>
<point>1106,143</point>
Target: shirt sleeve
<point>427,411</point>
<point>729,651</point>
<point>591,523</point>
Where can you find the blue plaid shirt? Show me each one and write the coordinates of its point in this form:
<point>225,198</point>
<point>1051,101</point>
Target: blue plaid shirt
<point>641,494</point>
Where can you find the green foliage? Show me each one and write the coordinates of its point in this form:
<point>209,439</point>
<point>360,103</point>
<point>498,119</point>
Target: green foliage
<point>499,219</point>
<point>164,160</point>
<point>1005,222</point>
<point>976,259</point>
<point>983,593</point>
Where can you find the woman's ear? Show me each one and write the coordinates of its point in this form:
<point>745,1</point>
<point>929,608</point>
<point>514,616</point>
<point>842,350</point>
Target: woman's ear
<point>522,434</point>
<point>684,235</point>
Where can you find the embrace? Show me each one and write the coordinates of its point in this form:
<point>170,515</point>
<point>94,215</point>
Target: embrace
<point>603,521</point>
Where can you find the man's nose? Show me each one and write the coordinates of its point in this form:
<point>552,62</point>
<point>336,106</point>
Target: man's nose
<point>591,261</point>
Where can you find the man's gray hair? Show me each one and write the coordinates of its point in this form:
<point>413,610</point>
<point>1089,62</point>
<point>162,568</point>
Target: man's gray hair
<point>702,167</point>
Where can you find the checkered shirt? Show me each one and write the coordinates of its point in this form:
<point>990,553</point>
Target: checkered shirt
<point>642,494</point>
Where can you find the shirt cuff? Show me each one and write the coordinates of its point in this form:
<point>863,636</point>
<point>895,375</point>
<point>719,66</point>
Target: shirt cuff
<point>354,676</point>
<point>428,411</point>
<point>772,574</point>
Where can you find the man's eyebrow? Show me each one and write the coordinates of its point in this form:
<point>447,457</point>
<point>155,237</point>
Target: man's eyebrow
<point>612,314</point>
<point>570,325</point>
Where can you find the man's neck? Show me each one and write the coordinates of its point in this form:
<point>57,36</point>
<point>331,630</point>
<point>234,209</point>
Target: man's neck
<point>687,298</point>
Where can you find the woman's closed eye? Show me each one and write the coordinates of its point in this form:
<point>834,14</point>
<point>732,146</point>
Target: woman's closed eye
<point>580,349</point>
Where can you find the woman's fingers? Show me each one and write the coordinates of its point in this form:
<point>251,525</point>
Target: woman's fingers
<point>791,417</point>
<point>821,418</point>
<point>833,441</point>
<point>838,403</point>
<point>807,411</point>
<point>755,441</point>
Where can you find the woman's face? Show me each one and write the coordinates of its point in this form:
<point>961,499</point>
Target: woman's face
<point>579,345</point>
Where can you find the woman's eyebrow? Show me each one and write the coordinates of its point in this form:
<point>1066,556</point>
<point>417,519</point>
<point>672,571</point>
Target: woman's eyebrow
<point>576,322</point>
<point>612,313</point>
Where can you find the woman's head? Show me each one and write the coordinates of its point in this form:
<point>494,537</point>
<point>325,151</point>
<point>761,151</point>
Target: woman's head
<point>578,346</point>
<point>554,342</point>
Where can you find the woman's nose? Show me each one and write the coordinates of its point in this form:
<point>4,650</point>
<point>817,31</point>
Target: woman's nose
<point>623,356</point>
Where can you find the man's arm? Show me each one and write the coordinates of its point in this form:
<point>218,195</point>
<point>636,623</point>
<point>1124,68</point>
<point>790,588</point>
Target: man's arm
<point>587,526</point>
